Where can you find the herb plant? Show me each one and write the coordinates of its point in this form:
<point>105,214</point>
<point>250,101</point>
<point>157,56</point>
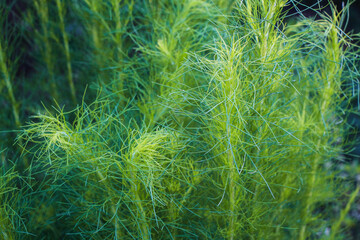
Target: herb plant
<point>187,119</point>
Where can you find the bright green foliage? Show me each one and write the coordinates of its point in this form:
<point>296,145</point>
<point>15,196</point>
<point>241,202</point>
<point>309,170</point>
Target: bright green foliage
<point>172,37</point>
<point>11,224</point>
<point>115,176</point>
<point>213,120</point>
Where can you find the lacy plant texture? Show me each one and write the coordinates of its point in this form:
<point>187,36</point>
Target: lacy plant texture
<point>187,119</point>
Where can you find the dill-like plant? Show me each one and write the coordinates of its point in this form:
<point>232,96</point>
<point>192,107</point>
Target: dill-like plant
<point>213,120</point>
<point>120,171</point>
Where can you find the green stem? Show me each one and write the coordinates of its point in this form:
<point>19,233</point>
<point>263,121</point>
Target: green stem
<point>67,51</point>
<point>118,232</point>
<point>43,11</point>
<point>232,197</point>
<point>343,214</point>
<point>135,186</point>
<point>307,208</point>
<point>144,225</point>
<point>232,168</point>
<point>14,103</point>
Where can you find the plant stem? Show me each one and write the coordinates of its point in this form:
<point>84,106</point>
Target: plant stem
<point>94,29</point>
<point>232,196</point>
<point>67,51</point>
<point>343,214</point>
<point>118,233</point>
<point>306,209</point>
<point>329,74</point>
<point>14,103</point>
<point>43,11</point>
<point>138,202</point>
<point>118,27</point>
<point>232,168</point>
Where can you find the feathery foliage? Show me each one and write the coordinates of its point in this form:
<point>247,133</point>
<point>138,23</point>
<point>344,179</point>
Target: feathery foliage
<point>202,120</point>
